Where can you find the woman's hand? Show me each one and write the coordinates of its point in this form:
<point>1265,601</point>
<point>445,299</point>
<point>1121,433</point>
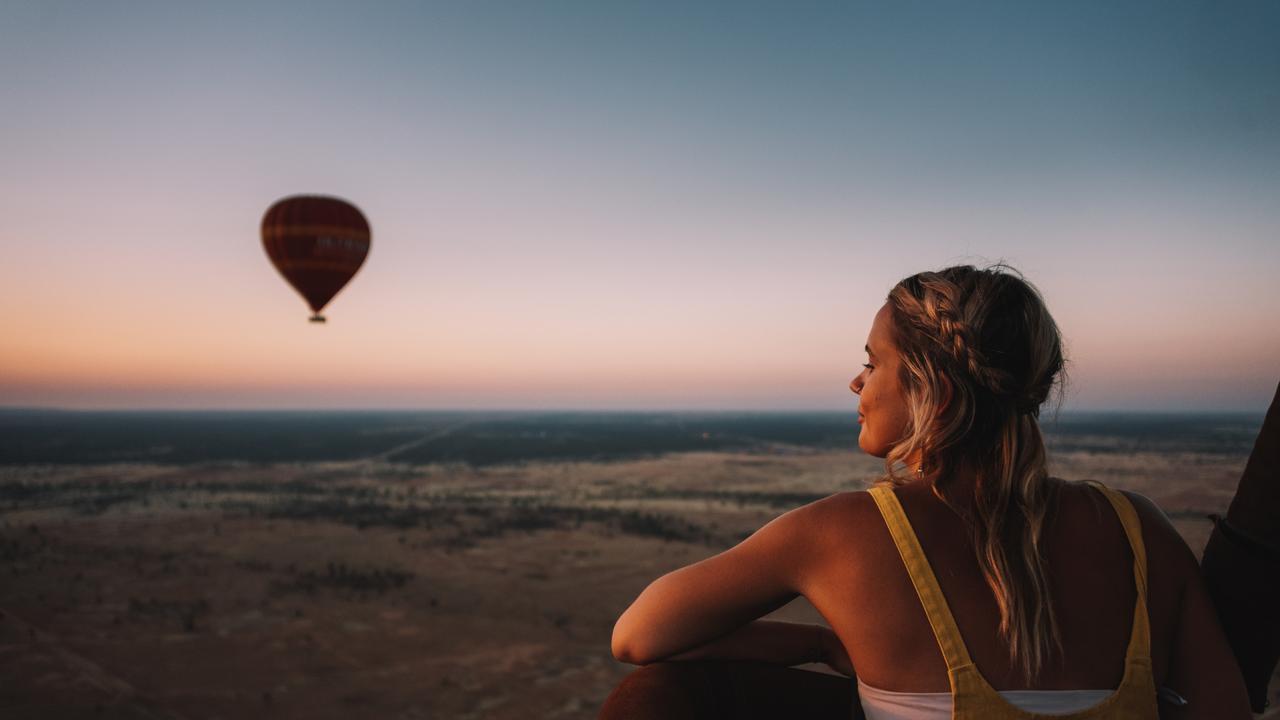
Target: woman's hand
<point>833,653</point>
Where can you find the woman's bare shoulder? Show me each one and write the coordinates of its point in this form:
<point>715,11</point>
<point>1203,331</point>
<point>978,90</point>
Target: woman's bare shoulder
<point>842,510</point>
<point>1167,551</point>
<point>839,521</point>
<point>1087,520</point>
<point>1164,543</point>
<point>839,503</point>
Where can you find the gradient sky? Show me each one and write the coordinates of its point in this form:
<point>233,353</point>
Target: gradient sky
<point>629,205</point>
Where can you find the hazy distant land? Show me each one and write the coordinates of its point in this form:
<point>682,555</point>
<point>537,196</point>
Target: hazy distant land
<point>422,565</point>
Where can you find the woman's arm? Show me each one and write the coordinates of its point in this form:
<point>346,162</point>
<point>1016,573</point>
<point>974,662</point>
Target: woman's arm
<point>704,602</point>
<point>1241,565</point>
<point>1255,509</point>
<point>779,643</point>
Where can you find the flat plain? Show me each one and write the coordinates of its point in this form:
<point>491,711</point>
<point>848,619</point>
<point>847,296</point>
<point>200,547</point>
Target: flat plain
<point>429,567</point>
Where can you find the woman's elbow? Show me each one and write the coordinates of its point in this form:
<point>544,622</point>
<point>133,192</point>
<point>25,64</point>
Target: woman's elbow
<point>625,648</point>
<point>624,652</point>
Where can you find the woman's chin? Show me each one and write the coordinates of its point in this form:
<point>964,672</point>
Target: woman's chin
<point>867,446</point>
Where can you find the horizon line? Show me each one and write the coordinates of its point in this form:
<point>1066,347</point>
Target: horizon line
<point>1045,417</point>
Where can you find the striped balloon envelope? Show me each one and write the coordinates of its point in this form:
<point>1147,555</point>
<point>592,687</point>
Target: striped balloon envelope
<point>317,243</point>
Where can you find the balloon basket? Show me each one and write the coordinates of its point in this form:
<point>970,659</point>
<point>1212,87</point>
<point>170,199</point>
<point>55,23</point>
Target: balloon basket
<point>317,318</point>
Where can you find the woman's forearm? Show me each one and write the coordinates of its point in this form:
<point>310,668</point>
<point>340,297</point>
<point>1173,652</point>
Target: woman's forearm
<point>1242,561</point>
<point>1255,510</point>
<point>770,641</point>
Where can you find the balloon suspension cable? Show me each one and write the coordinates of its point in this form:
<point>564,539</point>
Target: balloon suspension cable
<point>317,318</point>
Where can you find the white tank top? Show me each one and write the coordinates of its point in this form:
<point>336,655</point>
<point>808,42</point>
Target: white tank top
<point>880,704</point>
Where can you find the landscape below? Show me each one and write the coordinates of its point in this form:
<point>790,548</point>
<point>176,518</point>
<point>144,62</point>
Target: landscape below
<point>423,565</point>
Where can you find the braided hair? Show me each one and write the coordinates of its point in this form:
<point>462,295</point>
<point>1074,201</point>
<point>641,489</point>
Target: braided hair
<point>980,356</point>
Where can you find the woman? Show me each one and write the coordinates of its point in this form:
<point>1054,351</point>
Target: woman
<point>968,583</point>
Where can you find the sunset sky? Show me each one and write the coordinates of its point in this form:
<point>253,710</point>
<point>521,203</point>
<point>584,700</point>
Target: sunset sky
<point>640,205</point>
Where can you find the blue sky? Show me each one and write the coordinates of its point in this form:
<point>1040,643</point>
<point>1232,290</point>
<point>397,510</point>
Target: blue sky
<point>607,205</point>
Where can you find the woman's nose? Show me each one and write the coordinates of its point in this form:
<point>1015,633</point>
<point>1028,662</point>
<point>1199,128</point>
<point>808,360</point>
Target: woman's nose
<point>855,385</point>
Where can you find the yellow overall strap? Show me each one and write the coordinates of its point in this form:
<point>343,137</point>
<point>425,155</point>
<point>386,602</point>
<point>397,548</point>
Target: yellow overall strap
<point>973,698</point>
<point>1140,637</point>
<point>935,605</point>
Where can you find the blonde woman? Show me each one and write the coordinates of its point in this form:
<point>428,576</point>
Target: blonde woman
<point>968,583</point>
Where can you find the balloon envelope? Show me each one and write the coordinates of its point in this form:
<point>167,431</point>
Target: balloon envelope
<point>317,243</point>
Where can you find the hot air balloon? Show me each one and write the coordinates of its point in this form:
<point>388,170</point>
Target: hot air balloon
<point>317,243</point>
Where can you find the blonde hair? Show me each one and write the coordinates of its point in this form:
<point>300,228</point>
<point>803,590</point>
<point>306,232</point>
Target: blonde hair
<point>980,354</point>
